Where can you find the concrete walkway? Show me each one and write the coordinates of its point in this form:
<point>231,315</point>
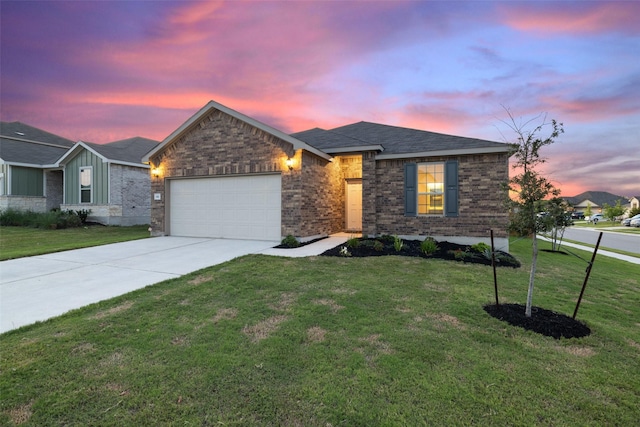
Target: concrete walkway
<point>601,252</point>
<point>40,287</point>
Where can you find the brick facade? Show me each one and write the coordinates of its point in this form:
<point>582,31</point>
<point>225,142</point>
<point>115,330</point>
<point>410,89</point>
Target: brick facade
<point>313,193</point>
<point>480,193</point>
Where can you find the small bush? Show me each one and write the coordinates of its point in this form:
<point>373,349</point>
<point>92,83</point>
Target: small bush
<point>344,251</point>
<point>385,238</point>
<point>290,242</point>
<point>481,247</point>
<point>54,219</point>
<point>353,242</point>
<point>429,246</point>
<point>378,246</point>
<point>397,243</point>
<point>83,214</point>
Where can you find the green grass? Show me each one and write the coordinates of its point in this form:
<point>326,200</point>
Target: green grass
<point>17,242</point>
<point>335,341</point>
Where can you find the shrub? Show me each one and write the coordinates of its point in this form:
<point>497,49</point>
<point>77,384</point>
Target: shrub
<point>344,251</point>
<point>385,238</point>
<point>47,220</point>
<point>481,247</point>
<point>83,214</point>
<point>353,242</point>
<point>429,246</point>
<point>397,243</point>
<point>290,242</point>
<point>378,246</point>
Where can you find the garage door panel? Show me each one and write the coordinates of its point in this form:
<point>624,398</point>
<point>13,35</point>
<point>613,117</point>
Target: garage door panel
<point>247,207</point>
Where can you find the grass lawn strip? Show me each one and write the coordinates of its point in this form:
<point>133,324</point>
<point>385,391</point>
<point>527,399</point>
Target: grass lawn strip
<point>335,341</point>
<point>18,242</point>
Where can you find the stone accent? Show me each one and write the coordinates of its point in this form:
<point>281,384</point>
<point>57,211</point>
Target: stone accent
<point>24,203</point>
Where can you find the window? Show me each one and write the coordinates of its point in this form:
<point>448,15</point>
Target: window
<point>85,185</point>
<point>430,188</point>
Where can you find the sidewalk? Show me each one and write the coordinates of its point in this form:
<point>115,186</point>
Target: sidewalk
<point>311,249</point>
<point>601,252</point>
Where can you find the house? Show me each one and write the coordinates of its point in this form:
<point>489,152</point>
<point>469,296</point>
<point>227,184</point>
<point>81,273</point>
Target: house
<point>30,179</point>
<point>40,171</point>
<point>224,174</point>
<point>109,180</point>
<point>595,199</point>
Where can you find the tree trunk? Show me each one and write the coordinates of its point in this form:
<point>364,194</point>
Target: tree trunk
<point>532,275</point>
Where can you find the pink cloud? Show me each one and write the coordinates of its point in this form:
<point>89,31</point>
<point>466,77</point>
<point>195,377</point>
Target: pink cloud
<point>573,17</point>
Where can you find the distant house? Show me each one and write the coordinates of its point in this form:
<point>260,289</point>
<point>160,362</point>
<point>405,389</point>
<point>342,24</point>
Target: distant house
<point>40,171</point>
<point>110,180</point>
<point>30,178</point>
<point>595,199</point>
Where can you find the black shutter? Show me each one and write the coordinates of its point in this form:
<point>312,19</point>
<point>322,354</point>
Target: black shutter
<point>410,187</point>
<point>451,188</point>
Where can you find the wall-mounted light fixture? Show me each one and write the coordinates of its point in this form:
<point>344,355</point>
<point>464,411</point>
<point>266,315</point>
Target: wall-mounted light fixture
<point>155,172</point>
<point>290,163</point>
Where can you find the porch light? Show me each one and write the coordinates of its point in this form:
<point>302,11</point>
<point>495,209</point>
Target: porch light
<point>155,172</point>
<point>290,163</point>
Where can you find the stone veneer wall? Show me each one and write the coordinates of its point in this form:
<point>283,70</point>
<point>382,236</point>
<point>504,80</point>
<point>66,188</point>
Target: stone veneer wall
<point>221,145</point>
<point>24,203</point>
<point>480,194</point>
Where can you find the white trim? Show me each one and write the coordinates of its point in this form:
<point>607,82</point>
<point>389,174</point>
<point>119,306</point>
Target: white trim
<point>458,152</point>
<point>212,105</point>
<point>91,188</point>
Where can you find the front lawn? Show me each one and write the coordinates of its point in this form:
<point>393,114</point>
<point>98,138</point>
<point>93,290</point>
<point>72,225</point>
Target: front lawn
<point>326,341</point>
<point>17,242</point>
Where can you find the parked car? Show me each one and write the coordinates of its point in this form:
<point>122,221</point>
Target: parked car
<point>635,223</point>
<point>627,221</point>
<point>577,215</point>
<point>595,218</point>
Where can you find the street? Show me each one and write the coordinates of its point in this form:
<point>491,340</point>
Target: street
<point>611,240</point>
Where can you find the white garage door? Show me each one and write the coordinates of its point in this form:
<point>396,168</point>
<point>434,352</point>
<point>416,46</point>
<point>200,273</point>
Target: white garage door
<point>246,207</point>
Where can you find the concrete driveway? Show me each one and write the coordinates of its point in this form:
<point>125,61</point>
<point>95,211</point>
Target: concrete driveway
<point>38,288</point>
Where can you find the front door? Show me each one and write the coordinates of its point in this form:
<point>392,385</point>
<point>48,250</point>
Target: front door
<point>354,205</point>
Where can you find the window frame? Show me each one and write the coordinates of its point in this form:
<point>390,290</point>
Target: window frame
<point>90,187</point>
<point>442,188</point>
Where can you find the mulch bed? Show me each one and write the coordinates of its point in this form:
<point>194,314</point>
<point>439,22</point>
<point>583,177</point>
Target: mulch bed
<point>545,322</point>
<point>446,250</point>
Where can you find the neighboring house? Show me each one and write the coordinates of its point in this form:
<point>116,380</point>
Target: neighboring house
<point>634,203</point>
<point>110,180</point>
<point>224,174</point>
<point>30,179</point>
<point>595,199</point>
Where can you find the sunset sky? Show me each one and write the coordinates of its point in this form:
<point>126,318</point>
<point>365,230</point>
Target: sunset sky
<point>101,71</point>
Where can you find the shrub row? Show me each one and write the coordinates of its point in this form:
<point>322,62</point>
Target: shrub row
<point>53,219</point>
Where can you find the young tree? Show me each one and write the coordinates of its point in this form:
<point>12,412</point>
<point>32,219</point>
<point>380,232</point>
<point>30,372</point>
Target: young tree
<point>528,186</point>
<point>554,221</point>
<point>612,212</point>
<point>587,212</point>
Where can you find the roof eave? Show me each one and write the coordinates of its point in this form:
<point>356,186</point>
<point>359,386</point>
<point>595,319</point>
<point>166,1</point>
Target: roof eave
<point>453,152</point>
<point>212,105</point>
<point>358,149</point>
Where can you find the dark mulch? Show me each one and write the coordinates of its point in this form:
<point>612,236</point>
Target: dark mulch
<point>366,247</point>
<point>545,322</point>
<point>300,244</point>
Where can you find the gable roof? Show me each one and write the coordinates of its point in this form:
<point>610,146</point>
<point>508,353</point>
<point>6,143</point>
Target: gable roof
<point>597,197</point>
<point>25,145</point>
<point>396,142</point>
<point>212,105</point>
<point>125,152</point>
